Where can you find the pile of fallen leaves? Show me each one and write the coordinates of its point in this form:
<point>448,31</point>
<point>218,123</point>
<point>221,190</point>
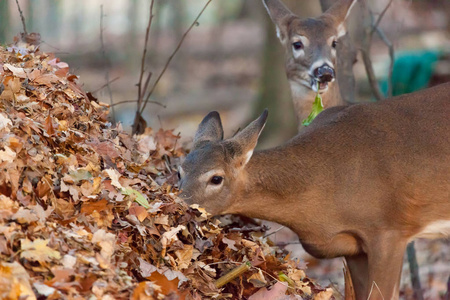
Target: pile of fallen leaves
<point>89,212</point>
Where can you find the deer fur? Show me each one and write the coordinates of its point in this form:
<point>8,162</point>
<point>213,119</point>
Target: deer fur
<point>361,181</point>
<point>318,37</point>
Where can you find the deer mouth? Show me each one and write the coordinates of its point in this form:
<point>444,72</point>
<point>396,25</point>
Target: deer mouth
<point>318,86</point>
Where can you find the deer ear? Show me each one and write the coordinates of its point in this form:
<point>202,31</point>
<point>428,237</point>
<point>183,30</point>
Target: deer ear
<point>279,14</point>
<point>245,141</point>
<point>340,11</point>
<point>210,129</point>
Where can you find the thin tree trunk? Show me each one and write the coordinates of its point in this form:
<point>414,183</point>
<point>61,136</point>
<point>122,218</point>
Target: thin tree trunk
<point>4,20</point>
<point>274,92</point>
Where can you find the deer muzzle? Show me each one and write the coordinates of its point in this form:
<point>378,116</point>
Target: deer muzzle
<point>322,76</point>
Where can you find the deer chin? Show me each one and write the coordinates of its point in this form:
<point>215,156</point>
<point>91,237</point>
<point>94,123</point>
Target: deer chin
<point>318,86</point>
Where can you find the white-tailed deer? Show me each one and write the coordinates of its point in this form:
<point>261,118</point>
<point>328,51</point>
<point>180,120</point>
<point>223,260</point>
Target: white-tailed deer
<point>360,182</point>
<point>310,46</point>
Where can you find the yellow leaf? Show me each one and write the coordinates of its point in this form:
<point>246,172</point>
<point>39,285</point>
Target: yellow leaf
<point>37,250</point>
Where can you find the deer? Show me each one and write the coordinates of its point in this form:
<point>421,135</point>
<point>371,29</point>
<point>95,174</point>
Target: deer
<point>360,182</point>
<point>310,46</point>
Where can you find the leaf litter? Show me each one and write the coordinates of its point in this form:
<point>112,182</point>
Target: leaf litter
<point>89,212</point>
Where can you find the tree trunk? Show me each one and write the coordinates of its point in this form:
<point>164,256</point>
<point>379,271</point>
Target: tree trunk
<point>4,20</point>
<point>274,92</point>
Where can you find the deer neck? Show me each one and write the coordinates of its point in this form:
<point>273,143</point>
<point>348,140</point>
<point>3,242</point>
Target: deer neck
<point>269,188</point>
<point>303,97</point>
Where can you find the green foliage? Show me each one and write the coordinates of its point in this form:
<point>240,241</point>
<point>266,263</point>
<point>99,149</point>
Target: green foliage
<point>316,109</point>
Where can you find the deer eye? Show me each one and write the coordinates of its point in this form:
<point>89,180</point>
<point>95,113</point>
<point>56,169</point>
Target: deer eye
<point>334,44</point>
<point>216,180</point>
<point>179,175</point>
<point>297,45</point>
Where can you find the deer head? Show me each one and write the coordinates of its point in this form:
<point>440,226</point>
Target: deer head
<point>310,44</point>
<point>210,174</point>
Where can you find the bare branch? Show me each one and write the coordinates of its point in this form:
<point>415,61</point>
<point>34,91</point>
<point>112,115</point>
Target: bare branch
<point>173,54</point>
<point>22,18</point>
<point>132,101</point>
<point>105,85</point>
<point>262,228</point>
<point>365,51</point>
<point>391,56</point>
<point>371,73</point>
<point>284,244</point>
<point>381,16</point>
<point>275,231</point>
<point>105,58</point>
<point>138,120</point>
<point>141,92</point>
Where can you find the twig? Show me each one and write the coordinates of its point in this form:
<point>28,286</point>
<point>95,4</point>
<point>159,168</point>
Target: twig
<point>274,278</point>
<point>236,272</point>
<point>173,54</point>
<point>365,51</point>
<point>142,88</point>
<point>105,58</point>
<point>132,101</point>
<point>141,91</point>
<point>223,262</point>
<point>275,231</point>
<point>51,46</point>
<point>284,244</point>
<point>105,85</point>
<point>22,18</point>
<point>371,74</point>
<point>391,56</point>
<point>381,16</point>
<point>262,228</point>
<point>336,289</point>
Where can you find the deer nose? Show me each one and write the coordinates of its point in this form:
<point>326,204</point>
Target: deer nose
<point>324,73</point>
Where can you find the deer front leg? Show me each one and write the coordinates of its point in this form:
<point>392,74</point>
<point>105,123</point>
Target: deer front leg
<point>358,266</point>
<point>385,258</point>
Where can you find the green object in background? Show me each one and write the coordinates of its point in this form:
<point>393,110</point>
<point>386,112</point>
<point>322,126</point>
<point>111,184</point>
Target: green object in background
<point>316,109</point>
<point>412,71</point>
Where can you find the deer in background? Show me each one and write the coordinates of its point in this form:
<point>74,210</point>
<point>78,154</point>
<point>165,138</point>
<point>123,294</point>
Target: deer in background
<point>361,181</point>
<point>310,46</point>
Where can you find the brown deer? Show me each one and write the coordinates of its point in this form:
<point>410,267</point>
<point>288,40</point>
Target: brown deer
<point>310,46</point>
<point>360,182</point>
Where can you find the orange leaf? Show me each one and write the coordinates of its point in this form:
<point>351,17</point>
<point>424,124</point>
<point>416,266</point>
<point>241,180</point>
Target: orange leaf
<point>48,126</point>
<point>167,286</point>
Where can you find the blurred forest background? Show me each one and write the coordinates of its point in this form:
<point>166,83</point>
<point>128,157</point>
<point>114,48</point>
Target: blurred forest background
<point>231,62</point>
